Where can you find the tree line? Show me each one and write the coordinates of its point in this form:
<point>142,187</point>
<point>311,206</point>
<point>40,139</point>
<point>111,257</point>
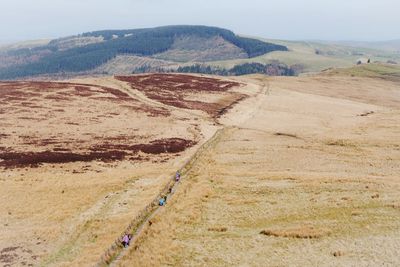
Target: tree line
<point>271,69</point>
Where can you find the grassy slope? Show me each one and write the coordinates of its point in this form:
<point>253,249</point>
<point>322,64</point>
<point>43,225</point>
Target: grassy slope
<point>24,44</point>
<point>383,71</point>
<point>184,51</point>
<point>192,48</point>
<point>303,53</point>
<point>126,64</point>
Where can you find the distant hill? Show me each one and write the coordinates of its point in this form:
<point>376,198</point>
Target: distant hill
<point>90,51</point>
<point>391,45</point>
<point>183,48</point>
<point>316,56</point>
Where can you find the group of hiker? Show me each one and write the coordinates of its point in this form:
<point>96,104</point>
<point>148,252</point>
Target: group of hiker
<point>126,239</point>
<point>163,200</point>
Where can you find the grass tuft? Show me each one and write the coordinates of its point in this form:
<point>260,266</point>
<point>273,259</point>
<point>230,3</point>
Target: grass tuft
<point>218,229</point>
<point>303,232</point>
<point>286,134</point>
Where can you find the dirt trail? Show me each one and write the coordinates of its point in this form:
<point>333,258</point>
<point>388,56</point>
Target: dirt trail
<point>116,253</point>
<point>120,252</point>
<point>238,115</point>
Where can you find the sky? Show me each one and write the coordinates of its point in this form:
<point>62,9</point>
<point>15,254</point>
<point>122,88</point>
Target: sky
<point>360,20</point>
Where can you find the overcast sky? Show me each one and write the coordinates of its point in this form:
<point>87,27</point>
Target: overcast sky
<point>282,19</point>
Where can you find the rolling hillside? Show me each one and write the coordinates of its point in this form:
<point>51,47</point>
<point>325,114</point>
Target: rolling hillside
<point>88,51</point>
<point>301,57</point>
<point>196,49</point>
<point>316,56</point>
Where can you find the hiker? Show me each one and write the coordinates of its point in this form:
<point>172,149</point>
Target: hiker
<point>129,238</point>
<point>177,176</point>
<point>125,240</point>
<point>161,202</point>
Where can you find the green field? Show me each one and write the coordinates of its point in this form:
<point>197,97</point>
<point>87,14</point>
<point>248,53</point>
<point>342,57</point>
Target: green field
<point>305,54</point>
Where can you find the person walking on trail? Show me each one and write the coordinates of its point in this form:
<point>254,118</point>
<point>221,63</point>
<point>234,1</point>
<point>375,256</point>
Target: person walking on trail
<point>177,176</point>
<point>161,202</point>
<point>125,240</point>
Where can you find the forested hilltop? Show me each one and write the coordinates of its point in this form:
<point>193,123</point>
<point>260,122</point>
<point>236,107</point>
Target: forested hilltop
<point>89,50</point>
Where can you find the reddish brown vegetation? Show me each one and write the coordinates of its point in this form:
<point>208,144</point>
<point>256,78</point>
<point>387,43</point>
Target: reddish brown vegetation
<point>3,135</point>
<point>172,89</point>
<point>26,92</point>
<point>28,89</point>
<point>34,159</point>
<point>224,110</point>
<point>10,255</point>
<point>37,147</point>
<point>105,152</point>
<point>171,145</point>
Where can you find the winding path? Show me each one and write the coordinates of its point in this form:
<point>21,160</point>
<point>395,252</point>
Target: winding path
<point>116,252</point>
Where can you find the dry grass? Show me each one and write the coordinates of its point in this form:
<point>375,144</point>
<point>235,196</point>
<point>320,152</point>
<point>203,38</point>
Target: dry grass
<point>394,206</point>
<point>378,92</point>
<point>249,181</point>
<point>290,188</point>
<point>75,210</point>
